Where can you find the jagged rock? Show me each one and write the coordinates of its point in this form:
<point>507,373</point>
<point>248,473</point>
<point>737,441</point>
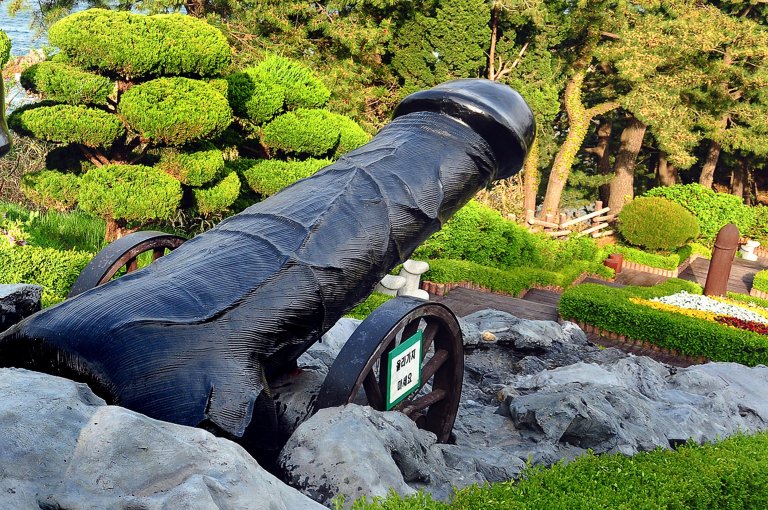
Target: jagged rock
<point>17,302</point>
<point>355,451</point>
<point>62,447</point>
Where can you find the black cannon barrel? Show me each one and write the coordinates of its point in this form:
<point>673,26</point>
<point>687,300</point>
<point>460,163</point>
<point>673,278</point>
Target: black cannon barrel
<point>194,337</point>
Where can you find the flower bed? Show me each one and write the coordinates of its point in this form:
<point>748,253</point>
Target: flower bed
<point>615,310</point>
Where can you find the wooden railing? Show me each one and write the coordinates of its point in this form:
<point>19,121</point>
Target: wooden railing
<point>562,226</point>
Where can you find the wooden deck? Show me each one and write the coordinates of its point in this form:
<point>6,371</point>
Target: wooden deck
<point>465,301</point>
<point>741,277</point>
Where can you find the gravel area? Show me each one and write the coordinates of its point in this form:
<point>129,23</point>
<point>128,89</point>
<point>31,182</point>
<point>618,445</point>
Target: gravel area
<point>706,304</point>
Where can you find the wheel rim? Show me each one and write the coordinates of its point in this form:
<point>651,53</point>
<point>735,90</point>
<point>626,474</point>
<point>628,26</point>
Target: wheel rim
<point>361,366</point>
<point>123,253</point>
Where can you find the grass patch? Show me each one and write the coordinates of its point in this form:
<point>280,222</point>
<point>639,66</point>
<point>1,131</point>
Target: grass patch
<point>499,280</point>
<point>371,303</point>
<point>667,261</point>
<point>761,281</point>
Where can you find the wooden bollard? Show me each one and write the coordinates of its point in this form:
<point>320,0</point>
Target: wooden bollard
<point>726,243</point>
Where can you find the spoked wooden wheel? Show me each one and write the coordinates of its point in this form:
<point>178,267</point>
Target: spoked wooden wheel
<point>123,253</point>
<point>367,370</point>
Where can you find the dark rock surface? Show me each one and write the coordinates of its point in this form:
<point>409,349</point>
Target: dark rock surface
<point>17,302</point>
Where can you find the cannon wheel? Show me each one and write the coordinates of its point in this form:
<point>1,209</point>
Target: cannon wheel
<point>362,363</point>
<point>123,253</point>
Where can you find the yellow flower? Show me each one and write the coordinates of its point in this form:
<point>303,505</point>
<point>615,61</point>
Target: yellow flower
<point>709,316</point>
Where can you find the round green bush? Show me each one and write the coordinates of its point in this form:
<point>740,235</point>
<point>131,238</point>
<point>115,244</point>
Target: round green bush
<point>129,192</point>
<point>301,87</point>
<point>351,135</point>
<point>68,124</point>
<point>759,230</point>
<point>301,132</point>
<point>218,198</point>
<point>268,176</point>
<point>254,96</point>
<point>193,168</point>
<point>51,189</point>
<point>138,46</point>
<point>657,224</point>
<point>66,84</point>
<point>175,111</point>
<point>713,210</point>
<point>5,48</point>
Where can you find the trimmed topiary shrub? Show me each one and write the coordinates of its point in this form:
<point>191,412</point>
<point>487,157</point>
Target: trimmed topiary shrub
<point>65,84</point>
<point>68,124</point>
<point>761,281</point>
<point>512,281</point>
<point>268,176</point>
<point>303,132</point>
<point>175,111</point>
<point>712,210</point>
<point>193,168</point>
<point>301,87</point>
<point>51,189</point>
<point>657,224</point>
<point>129,192</point>
<point>137,46</point>
<point>254,95</point>
<point>351,135</point>
<point>218,198</point>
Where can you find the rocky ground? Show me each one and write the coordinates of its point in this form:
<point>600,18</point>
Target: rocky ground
<point>534,391</point>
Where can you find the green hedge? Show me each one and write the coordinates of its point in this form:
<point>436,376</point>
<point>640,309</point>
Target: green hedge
<point>193,168</point>
<point>137,46</point>
<point>66,84</point>
<point>744,298</point>
<point>303,132</point>
<point>51,189</point>
<point>661,261</point>
<point>268,176</point>
<point>759,230</point>
<point>611,309</point>
<point>351,135</point>
<point>55,270</point>
<point>217,198</point>
<point>129,192</point>
<point>67,124</point>
<point>252,94</point>
<point>512,281</point>
<point>761,281</point>
<point>371,303</point>
<point>712,210</point>
<point>301,87</point>
<point>657,224</point>
<point>175,111</point>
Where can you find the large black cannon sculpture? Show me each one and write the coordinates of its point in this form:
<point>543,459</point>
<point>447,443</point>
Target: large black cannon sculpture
<point>195,337</point>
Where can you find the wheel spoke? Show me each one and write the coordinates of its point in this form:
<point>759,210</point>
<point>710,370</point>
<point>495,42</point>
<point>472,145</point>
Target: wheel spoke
<point>427,400</point>
<point>373,392</point>
<point>132,265</point>
<point>428,336</point>
<point>434,364</point>
<point>157,253</point>
<point>410,329</point>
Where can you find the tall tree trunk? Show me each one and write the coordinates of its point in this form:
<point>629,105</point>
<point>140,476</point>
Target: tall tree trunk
<point>668,175</point>
<point>603,154</point>
<point>622,184</point>
<point>710,163</point>
<point>531,177</point>
<point>579,118</point>
<point>739,178</point>
<point>494,35</point>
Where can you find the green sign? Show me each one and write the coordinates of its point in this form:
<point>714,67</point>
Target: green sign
<point>404,374</point>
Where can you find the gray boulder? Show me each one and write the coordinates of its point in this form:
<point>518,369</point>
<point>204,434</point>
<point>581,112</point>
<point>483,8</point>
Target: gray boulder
<point>62,447</point>
<point>18,302</point>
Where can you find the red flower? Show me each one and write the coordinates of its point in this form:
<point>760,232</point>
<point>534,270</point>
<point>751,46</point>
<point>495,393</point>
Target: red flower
<point>755,327</point>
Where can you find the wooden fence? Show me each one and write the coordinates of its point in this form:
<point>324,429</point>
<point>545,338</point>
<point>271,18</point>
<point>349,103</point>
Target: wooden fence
<point>598,221</point>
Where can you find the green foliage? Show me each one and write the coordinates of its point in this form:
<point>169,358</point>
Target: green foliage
<point>268,176</point>
<point>51,189</point>
<point>759,230</point>
<point>68,124</point>
<point>301,87</point>
<point>371,303</point>
<point>217,198</point>
<point>66,84</point>
<point>5,48</point>
<point>748,299</point>
<point>175,111</point>
<point>712,210</point>
<point>761,281</point>
<point>669,261</point>
<point>193,168</point>
<point>351,135</point>
<point>74,230</point>
<point>253,95</point>
<point>302,132</point>
<point>611,309</point>
<point>55,270</point>
<point>657,224</point>
<point>137,46</point>
<point>129,192</point>
<point>512,280</point>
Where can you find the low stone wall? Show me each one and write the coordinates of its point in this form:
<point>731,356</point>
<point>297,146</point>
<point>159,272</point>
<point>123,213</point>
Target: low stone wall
<point>669,273</point>
<point>758,293</point>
